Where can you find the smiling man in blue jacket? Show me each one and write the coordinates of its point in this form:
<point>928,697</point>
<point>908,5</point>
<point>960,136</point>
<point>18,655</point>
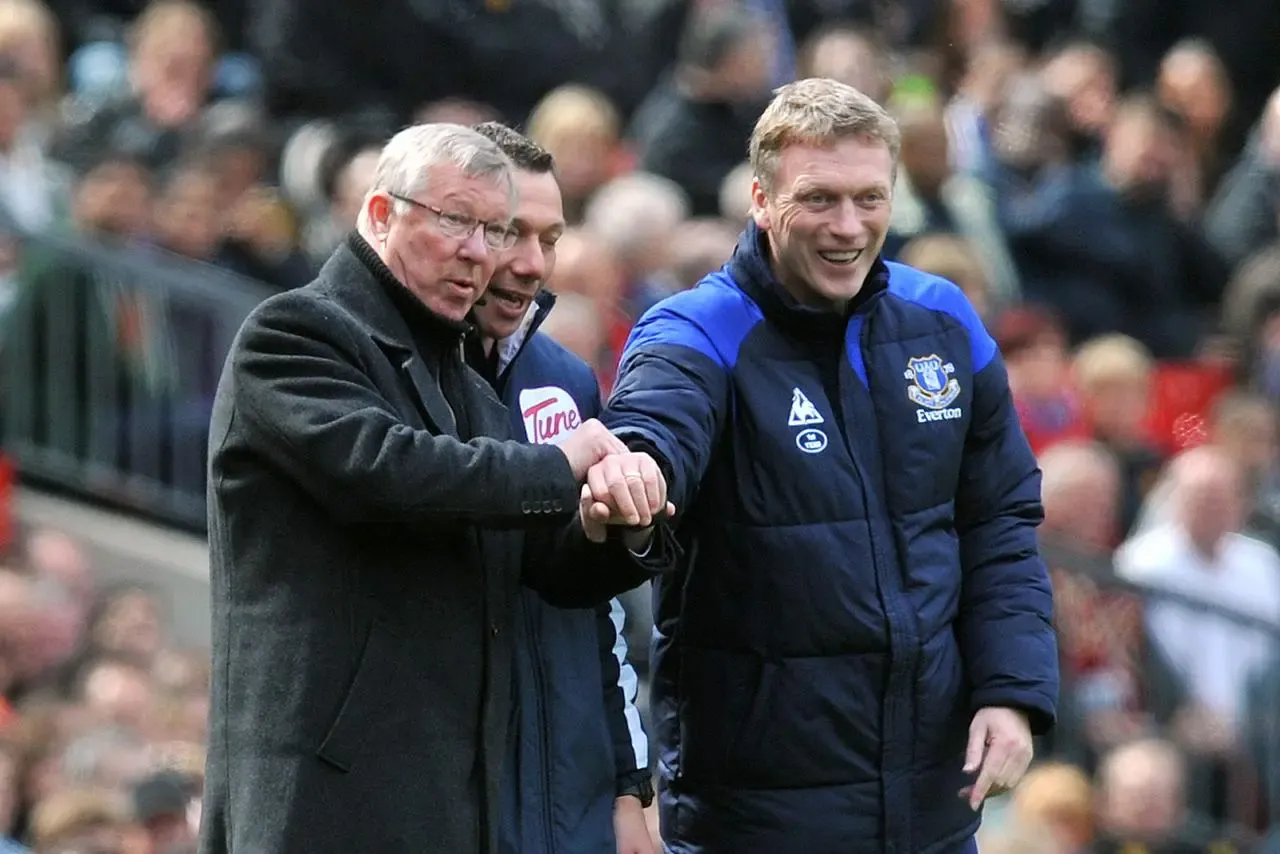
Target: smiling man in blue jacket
<point>576,777</point>
<point>858,649</point>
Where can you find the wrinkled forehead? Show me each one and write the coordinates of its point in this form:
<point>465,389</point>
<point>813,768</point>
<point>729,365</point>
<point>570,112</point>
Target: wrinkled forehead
<point>850,165</point>
<point>489,198</point>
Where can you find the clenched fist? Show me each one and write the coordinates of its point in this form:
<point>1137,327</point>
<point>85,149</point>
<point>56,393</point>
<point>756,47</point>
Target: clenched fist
<point>588,445</point>
<point>623,489</point>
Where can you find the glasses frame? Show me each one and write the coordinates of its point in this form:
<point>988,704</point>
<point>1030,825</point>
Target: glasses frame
<point>498,236</point>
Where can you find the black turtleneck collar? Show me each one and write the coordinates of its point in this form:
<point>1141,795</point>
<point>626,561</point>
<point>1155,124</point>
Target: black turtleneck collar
<point>430,330</point>
<point>751,269</point>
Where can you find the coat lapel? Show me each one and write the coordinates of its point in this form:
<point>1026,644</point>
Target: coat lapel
<point>429,394</point>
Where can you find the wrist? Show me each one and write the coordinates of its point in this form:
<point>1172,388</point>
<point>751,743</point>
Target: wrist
<point>638,541</point>
<point>640,791</point>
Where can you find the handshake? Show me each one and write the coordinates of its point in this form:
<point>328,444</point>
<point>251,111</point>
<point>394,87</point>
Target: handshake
<point>619,486</point>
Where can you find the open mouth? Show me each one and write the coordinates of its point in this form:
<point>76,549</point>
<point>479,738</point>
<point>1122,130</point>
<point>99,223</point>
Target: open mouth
<point>841,259</point>
<point>509,299</point>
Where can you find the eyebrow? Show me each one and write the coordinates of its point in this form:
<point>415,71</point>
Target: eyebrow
<point>558,228</point>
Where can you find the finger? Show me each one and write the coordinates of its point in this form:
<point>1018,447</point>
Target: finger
<point>993,761</point>
<point>655,488</point>
<point>638,487</point>
<point>976,748</point>
<point>671,510</point>
<point>620,490</point>
<point>598,480</point>
<point>594,531</point>
<point>1015,768</point>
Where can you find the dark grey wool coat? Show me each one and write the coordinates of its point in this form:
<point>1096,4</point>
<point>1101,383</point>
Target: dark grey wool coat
<point>365,561</point>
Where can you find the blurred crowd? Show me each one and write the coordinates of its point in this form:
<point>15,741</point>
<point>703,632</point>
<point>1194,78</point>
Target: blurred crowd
<point>1102,179</point>
<point>102,725</point>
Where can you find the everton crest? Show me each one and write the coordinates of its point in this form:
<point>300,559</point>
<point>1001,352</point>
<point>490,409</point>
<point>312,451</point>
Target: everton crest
<point>929,382</point>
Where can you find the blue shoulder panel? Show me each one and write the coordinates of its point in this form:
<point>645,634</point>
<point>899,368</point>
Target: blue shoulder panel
<point>937,294</point>
<point>712,319</point>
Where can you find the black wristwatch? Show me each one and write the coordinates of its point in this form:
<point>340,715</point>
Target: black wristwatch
<point>642,790</point>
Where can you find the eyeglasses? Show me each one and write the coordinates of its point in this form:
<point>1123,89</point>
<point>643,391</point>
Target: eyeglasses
<point>497,235</point>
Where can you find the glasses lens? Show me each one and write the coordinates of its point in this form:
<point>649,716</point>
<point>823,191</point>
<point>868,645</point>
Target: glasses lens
<point>457,225</point>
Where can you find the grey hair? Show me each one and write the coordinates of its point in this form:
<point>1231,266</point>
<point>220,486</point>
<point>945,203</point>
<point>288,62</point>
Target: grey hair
<point>632,211</point>
<point>407,159</point>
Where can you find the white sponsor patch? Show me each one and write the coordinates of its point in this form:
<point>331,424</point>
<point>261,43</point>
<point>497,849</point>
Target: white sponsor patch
<point>550,414</point>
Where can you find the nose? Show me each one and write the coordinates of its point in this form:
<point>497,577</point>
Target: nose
<point>474,248</point>
<point>846,220</point>
<point>527,261</point>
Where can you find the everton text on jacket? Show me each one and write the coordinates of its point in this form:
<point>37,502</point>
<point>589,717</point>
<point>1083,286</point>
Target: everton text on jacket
<point>859,511</point>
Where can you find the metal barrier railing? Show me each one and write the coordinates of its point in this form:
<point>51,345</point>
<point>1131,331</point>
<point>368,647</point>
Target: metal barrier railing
<point>1235,793</point>
<point>111,357</point>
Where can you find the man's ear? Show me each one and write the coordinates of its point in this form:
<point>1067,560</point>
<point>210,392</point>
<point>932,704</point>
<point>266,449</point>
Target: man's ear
<point>759,205</point>
<point>378,214</point>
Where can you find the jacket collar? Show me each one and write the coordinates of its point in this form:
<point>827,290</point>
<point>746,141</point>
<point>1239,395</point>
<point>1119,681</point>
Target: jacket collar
<point>751,270</point>
<point>408,332</point>
<point>496,367</point>
<point>396,318</point>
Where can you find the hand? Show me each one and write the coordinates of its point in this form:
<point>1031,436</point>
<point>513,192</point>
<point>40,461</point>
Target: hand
<point>588,445</point>
<point>631,827</point>
<point>999,752</point>
<point>623,489</point>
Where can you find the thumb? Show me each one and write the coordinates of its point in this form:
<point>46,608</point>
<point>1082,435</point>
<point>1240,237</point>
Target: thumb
<point>977,746</point>
<point>592,528</point>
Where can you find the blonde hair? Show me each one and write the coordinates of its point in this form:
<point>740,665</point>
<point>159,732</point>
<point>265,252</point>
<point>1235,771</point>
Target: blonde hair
<point>573,110</point>
<point>817,111</point>
<point>24,21</point>
<point>160,15</point>
<point>1053,792</point>
<point>950,257</point>
<point>70,812</point>
<point>1111,358</point>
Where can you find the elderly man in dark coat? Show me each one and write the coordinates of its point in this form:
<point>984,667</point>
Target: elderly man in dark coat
<point>370,525</point>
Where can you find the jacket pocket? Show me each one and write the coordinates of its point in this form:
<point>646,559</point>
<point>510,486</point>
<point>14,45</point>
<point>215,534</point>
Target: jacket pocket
<point>370,690</point>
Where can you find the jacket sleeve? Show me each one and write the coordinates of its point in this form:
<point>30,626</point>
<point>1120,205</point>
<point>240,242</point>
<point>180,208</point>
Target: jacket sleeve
<point>312,411</point>
<point>1004,626</point>
<point>569,571</point>
<point>621,685</point>
<point>670,397</point>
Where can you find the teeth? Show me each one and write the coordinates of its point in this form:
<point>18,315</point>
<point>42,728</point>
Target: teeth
<point>841,257</point>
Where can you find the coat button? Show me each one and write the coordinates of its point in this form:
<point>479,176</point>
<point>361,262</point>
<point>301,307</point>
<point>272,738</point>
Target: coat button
<point>525,508</point>
<point>557,505</point>
<point>548,507</point>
